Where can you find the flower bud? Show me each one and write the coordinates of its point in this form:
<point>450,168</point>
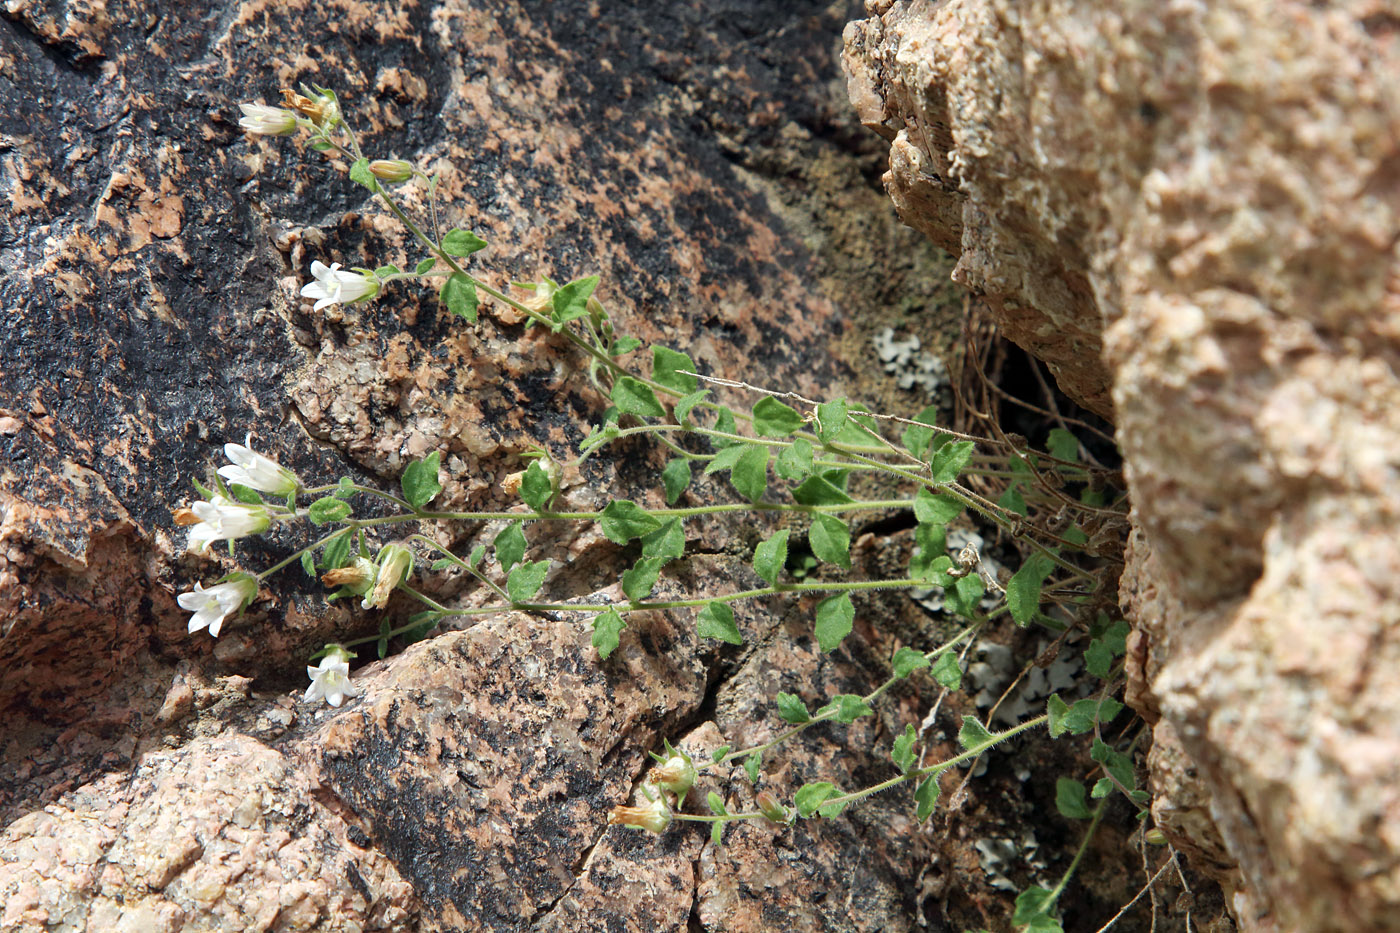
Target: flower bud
<point>267,121</point>
<point>510,485</point>
<point>543,298</point>
<point>391,170</point>
<point>250,468</point>
<point>770,808</point>
<point>357,578</point>
<point>1154,837</point>
<point>395,564</point>
<point>321,109</point>
<point>222,519</point>
<point>654,817</point>
<point>676,774</point>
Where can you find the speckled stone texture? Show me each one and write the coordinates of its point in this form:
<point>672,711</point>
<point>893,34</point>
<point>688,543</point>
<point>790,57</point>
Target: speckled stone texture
<point>1210,191</point>
<point>150,261</point>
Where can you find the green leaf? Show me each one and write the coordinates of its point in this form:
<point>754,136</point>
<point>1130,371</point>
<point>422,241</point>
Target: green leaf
<point>724,424</point>
<point>771,418</point>
<point>675,478</point>
<point>907,661</point>
<point>1013,501</point>
<point>607,627</point>
<point>926,797</point>
<point>322,145</point>
<point>683,405</point>
<point>420,480</point>
<point>726,458</point>
<point>459,294</point>
<point>1062,444</point>
<point>664,365</point>
<point>1091,709</point>
<point>570,301</point>
<point>361,175</point>
<point>622,520</point>
<point>526,579</point>
<point>1113,641</point>
<point>811,796</point>
<point>903,749</point>
<point>327,510</point>
<point>835,618</point>
<point>935,508</point>
<point>917,438</point>
<point>831,418</point>
<point>716,804</point>
<point>246,494</point>
<point>1118,765</point>
<point>949,460</point>
<point>308,564</point>
<point>947,671</point>
<point>536,488</point>
<point>930,558</point>
<point>749,475</point>
<point>963,596</point>
<point>1058,710</point>
<point>717,834</point>
<point>427,621</point>
<point>462,243</point>
<point>853,432</point>
<point>820,490</point>
<point>770,557</point>
<point>425,266</point>
<point>846,707</point>
<point>474,558</point>
<point>666,542</point>
<point>972,734</point>
<point>336,552</point>
<point>1071,800</point>
<point>718,754</point>
<point>382,644</point>
<point>1102,788</point>
<point>638,582</point>
<point>751,766</point>
<point>1032,905</point>
<point>636,398</point>
<point>794,462</point>
<point>510,545</point>
<point>831,811</point>
<point>792,710</point>
<point>716,620</point>
<point>830,538</point>
<point>384,272</point>
<point>345,489</point>
<point>1098,659</point>
<point>1113,634</point>
<point>1023,589</point>
<point>624,345</point>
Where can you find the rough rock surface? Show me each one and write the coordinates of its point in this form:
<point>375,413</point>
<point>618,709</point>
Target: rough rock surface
<point>1210,192</point>
<point>153,253</point>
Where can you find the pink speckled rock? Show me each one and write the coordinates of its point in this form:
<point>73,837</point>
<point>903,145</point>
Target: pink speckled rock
<point>1210,193</point>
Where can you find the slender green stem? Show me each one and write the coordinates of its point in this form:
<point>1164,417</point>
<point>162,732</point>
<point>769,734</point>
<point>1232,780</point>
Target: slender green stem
<point>1078,856</point>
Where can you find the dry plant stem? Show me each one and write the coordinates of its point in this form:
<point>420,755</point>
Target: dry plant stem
<point>1151,884</point>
